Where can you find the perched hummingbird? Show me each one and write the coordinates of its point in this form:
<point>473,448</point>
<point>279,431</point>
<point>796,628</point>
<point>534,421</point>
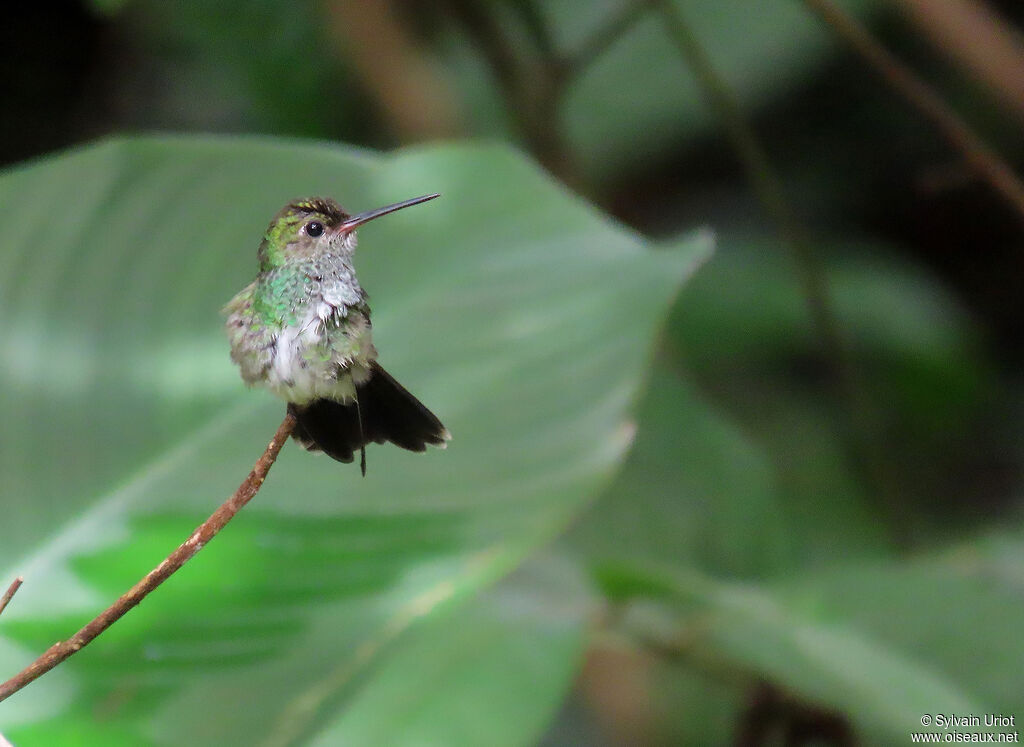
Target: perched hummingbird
<point>302,329</point>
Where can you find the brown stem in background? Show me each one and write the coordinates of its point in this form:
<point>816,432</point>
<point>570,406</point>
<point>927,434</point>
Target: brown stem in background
<point>765,182</point>
<point>860,414</point>
<point>979,38</point>
<point>919,94</point>
<point>409,87</point>
<point>533,83</point>
<point>529,86</point>
<point>11,591</point>
<point>205,532</point>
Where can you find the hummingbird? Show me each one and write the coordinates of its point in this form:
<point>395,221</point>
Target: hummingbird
<point>302,330</point>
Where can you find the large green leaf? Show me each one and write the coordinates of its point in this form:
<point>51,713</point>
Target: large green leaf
<point>918,342</point>
<point>743,329</point>
<point>697,492</point>
<point>817,642</point>
<point>491,674</point>
<point>782,578</point>
<point>693,492</point>
<point>956,612</point>
<point>518,314</point>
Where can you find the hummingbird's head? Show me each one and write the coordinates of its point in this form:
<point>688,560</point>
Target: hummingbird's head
<point>315,227</point>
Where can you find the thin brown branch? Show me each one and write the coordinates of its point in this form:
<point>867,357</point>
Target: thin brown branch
<point>924,98</point>
<point>413,94</point>
<point>980,39</point>
<point>859,412</point>
<point>11,591</point>
<point>533,78</point>
<point>529,84</point>
<point>205,532</point>
<point>765,183</point>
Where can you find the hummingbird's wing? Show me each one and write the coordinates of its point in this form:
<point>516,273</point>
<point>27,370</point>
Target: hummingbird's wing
<point>252,341</point>
<point>348,340</point>
<point>391,413</point>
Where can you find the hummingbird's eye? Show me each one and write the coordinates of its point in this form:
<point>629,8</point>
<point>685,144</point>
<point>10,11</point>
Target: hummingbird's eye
<point>314,228</point>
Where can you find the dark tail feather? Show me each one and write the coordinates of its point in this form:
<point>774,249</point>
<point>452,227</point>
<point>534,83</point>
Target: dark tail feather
<point>384,411</point>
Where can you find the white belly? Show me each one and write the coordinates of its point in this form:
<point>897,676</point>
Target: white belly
<point>299,375</point>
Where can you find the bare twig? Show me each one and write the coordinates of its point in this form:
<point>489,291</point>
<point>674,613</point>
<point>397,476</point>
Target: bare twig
<point>763,180</point>
<point>411,90</point>
<point>533,78</point>
<point>528,85</point>
<point>979,38</point>
<point>923,97</point>
<point>206,531</point>
<point>11,591</point>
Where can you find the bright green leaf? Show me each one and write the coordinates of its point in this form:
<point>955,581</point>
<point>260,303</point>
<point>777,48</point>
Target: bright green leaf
<point>493,673</point>
<point>693,492</point>
<point>801,644</point>
<point>517,313</point>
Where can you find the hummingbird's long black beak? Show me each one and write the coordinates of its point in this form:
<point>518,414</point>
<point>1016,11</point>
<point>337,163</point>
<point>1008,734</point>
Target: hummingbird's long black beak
<point>355,221</point>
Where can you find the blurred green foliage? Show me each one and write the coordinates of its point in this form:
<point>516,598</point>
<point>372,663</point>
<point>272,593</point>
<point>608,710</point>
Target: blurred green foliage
<point>662,520</point>
<point>490,298</point>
